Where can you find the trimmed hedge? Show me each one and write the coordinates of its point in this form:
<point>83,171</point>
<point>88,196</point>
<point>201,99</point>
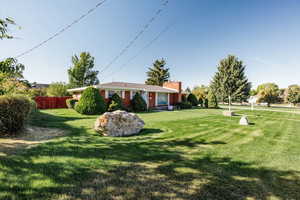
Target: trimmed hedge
<point>91,102</point>
<point>71,103</point>
<point>192,99</point>
<point>14,111</point>
<point>138,103</point>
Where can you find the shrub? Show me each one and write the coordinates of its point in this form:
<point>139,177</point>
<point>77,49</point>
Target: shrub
<point>212,100</point>
<point>183,98</point>
<point>138,103</point>
<point>184,105</point>
<point>205,103</point>
<point>57,90</point>
<point>192,99</point>
<point>91,102</point>
<point>116,100</point>
<point>200,102</point>
<point>71,103</point>
<point>113,106</point>
<point>14,110</point>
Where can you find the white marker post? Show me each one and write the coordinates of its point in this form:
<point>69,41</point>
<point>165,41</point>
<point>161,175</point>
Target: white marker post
<point>229,103</point>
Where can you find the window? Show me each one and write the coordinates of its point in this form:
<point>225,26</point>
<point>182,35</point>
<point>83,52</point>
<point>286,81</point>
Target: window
<point>112,92</point>
<point>162,99</point>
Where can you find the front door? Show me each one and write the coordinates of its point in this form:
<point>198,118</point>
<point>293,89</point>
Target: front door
<point>151,99</point>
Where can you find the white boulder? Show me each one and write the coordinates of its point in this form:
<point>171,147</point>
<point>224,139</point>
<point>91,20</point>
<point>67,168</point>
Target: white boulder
<point>119,123</point>
<point>244,121</point>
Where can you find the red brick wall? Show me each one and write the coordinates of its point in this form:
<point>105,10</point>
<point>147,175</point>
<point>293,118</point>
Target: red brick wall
<point>173,98</point>
<point>126,100</point>
<point>177,85</point>
<point>151,99</point>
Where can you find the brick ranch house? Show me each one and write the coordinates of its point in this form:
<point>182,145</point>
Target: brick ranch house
<point>155,96</point>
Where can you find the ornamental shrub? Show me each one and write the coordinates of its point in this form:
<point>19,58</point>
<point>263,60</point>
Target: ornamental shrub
<point>71,103</point>
<point>184,105</point>
<point>212,100</point>
<point>200,102</point>
<point>14,111</point>
<point>205,103</point>
<point>91,102</point>
<point>116,100</point>
<point>192,99</point>
<point>138,103</point>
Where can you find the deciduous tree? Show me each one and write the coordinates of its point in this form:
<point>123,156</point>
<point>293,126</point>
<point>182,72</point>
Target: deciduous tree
<point>293,94</point>
<point>268,92</point>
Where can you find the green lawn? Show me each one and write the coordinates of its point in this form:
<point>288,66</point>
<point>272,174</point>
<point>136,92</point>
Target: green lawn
<point>190,154</point>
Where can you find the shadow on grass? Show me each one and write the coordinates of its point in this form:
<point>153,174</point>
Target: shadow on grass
<point>87,166</point>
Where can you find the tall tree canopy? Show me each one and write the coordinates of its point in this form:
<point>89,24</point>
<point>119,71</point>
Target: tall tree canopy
<point>230,80</point>
<point>3,27</point>
<point>158,73</point>
<point>268,92</point>
<point>200,91</point>
<point>81,73</point>
<point>11,68</point>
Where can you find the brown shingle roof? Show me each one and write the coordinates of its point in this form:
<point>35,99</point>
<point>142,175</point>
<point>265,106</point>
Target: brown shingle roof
<point>136,86</point>
<point>129,86</point>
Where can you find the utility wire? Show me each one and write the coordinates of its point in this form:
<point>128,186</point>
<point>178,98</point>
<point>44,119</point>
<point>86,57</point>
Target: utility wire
<point>62,30</point>
<point>141,50</point>
<point>145,27</point>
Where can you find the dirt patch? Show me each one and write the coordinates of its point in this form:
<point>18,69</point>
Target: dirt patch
<point>31,136</point>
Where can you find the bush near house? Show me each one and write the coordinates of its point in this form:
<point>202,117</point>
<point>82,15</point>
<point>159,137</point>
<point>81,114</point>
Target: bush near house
<point>71,103</point>
<point>14,110</point>
<point>115,103</point>
<point>138,103</point>
<point>192,99</point>
<point>184,105</point>
<point>91,102</point>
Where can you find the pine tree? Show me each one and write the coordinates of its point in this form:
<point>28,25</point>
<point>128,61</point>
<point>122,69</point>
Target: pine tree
<point>230,80</point>
<point>212,100</point>
<point>81,73</point>
<point>158,74</point>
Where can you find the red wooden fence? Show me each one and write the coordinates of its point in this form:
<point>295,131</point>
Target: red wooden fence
<point>51,102</point>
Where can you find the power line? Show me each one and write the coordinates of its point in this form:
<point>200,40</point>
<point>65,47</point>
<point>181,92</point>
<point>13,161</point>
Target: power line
<point>141,50</point>
<point>62,30</point>
<point>145,27</point>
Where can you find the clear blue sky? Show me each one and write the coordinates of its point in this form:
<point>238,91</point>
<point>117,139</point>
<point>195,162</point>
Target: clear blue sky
<point>265,34</point>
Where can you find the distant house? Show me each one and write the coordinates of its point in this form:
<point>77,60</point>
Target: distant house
<point>39,85</point>
<point>155,96</point>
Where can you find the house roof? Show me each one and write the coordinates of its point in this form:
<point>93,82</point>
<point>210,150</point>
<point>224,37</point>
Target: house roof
<point>129,86</point>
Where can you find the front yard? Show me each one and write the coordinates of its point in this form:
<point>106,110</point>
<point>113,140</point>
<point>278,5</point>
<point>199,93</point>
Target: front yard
<point>189,154</point>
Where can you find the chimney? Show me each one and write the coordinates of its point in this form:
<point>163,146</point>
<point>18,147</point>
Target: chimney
<point>174,85</point>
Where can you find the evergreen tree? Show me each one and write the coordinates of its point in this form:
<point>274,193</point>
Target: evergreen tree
<point>91,102</point>
<point>188,90</point>
<point>158,74</point>
<point>192,99</point>
<point>200,102</point>
<point>230,80</point>
<point>81,73</point>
